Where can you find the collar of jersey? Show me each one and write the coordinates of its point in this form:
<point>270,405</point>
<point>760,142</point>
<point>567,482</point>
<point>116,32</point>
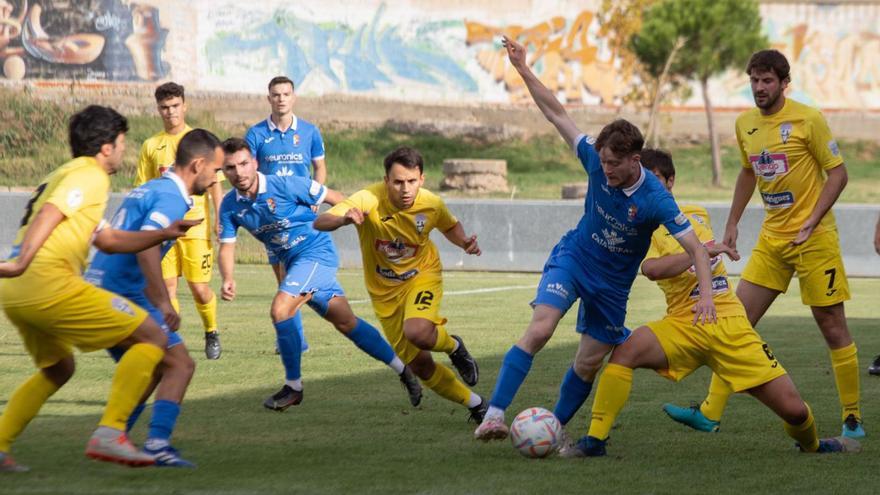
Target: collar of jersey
<point>180,185</point>
<point>261,188</point>
<point>629,191</point>
<point>273,127</point>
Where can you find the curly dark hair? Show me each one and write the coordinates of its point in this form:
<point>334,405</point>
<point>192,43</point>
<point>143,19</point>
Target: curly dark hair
<point>93,127</point>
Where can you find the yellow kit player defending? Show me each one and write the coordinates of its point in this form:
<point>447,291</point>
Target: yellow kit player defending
<point>403,273</point>
<point>193,255</point>
<point>676,346</point>
<point>787,151</point>
<point>54,309</point>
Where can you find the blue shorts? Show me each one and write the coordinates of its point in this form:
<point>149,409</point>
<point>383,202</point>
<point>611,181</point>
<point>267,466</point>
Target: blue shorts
<point>173,337</point>
<point>602,310</point>
<point>311,277</point>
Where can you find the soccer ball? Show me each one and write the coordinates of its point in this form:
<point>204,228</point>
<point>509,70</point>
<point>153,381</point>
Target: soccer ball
<point>535,432</point>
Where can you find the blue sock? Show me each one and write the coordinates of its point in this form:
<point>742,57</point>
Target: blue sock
<point>290,346</point>
<point>514,369</point>
<point>164,418</point>
<point>302,335</point>
<point>369,340</point>
<point>132,419</point>
<point>572,394</point>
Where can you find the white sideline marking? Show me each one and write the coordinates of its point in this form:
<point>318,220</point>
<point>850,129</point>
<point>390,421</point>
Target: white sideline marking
<point>467,292</point>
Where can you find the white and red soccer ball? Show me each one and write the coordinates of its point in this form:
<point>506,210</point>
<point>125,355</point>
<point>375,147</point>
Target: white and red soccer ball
<point>535,432</point>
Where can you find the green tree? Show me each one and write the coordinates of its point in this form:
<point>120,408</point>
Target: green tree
<point>718,35</point>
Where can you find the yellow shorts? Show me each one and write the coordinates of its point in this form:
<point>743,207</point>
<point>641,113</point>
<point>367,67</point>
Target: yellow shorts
<point>817,262</point>
<point>419,298</point>
<point>731,348</point>
<point>192,258</point>
<point>88,318</point>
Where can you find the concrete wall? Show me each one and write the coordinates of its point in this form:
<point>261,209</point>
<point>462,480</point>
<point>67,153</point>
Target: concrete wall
<point>518,235</point>
<point>426,51</point>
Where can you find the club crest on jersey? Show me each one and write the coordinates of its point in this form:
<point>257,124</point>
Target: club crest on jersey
<point>768,165</point>
<point>270,204</point>
<point>785,131</point>
<point>420,222</point>
<point>296,139</point>
<point>631,212</point>
<point>396,251</point>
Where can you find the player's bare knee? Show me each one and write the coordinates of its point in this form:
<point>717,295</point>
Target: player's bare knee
<point>422,334</point>
<point>202,292</point>
<point>60,372</point>
<point>586,369</point>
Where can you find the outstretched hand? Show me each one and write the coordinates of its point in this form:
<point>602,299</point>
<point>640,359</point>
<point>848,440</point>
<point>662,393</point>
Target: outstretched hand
<point>722,248</point>
<point>515,52</point>
<point>471,246</point>
<point>179,227</point>
<point>355,216</point>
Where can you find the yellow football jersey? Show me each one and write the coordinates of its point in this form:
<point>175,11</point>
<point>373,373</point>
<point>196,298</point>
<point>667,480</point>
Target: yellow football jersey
<point>682,290</point>
<point>79,189</point>
<point>395,244</point>
<point>157,156</point>
<point>788,152</point>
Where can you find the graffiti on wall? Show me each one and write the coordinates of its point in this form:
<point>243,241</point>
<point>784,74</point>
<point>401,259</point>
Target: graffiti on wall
<point>89,39</point>
<point>563,54</point>
<point>338,56</point>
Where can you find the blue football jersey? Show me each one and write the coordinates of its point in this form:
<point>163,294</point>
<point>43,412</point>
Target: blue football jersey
<point>151,206</point>
<point>281,218</point>
<point>285,153</point>
<point>614,234</point>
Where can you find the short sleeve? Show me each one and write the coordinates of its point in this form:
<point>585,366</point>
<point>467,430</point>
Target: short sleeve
<point>251,140</point>
<point>743,156</point>
<point>165,210</point>
<point>305,190</point>
<point>317,150</point>
<point>145,168</point>
<point>445,219</point>
<point>82,188</point>
<point>586,153</point>
<point>670,216</point>
<point>821,143</point>
<point>363,200</point>
<point>228,224</point>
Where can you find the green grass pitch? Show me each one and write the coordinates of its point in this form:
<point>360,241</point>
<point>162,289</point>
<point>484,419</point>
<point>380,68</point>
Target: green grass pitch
<point>356,433</point>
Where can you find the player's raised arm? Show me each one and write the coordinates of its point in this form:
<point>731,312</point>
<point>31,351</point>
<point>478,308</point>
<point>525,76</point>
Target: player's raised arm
<point>546,101</point>
<point>121,241</point>
<point>329,222</point>
<point>457,236</point>
<point>673,265</point>
<point>704,310</point>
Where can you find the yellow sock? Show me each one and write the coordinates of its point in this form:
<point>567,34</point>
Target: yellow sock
<point>715,402</point>
<point>23,405</point>
<point>208,314</point>
<point>175,303</point>
<point>133,375</point>
<point>611,395</point>
<point>804,434</point>
<point>446,385</point>
<point>444,343</point>
<point>845,362</point>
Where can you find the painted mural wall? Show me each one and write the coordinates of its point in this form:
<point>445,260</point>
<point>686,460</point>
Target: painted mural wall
<point>416,50</point>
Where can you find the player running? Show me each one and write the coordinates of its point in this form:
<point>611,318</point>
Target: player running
<point>54,309</point>
<point>286,145</point>
<point>138,277</point>
<point>675,347</point>
<point>278,211</point>
<point>597,261</point>
<point>785,147</point>
<point>193,255</point>
<point>403,273</point>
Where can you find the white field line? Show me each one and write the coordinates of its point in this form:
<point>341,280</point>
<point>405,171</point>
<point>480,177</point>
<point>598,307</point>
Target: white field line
<point>467,292</point>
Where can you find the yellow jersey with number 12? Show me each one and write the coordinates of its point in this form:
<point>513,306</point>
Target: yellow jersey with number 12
<point>682,291</point>
<point>788,151</point>
<point>395,244</point>
<point>79,188</point>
